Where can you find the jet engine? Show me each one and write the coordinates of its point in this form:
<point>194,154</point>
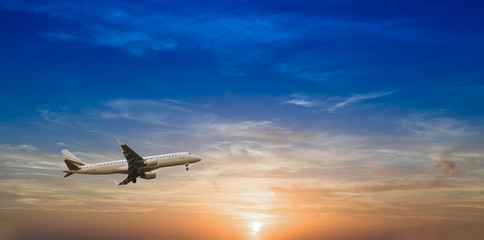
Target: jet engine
<point>148,175</point>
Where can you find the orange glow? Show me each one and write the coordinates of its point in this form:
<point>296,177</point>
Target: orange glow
<point>251,197</point>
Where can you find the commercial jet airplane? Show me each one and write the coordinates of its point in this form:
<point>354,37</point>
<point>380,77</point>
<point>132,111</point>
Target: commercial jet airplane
<point>134,165</point>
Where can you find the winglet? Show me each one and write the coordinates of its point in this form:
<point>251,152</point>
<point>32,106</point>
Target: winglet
<point>120,143</point>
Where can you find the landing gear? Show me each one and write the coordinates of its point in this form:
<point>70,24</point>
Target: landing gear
<point>186,165</point>
<point>134,180</point>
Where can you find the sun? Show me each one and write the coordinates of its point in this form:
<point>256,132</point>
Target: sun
<point>255,227</point>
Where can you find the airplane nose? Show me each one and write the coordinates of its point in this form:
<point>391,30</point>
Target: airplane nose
<point>194,157</point>
<point>197,158</point>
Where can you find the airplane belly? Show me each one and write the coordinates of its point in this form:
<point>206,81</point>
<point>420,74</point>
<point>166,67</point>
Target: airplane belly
<point>87,171</point>
<point>123,169</point>
<point>172,162</point>
<point>103,171</point>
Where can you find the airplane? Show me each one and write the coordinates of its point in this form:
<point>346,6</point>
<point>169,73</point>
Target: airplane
<point>134,165</point>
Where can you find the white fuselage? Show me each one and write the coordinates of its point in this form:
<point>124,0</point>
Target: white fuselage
<point>152,163</point>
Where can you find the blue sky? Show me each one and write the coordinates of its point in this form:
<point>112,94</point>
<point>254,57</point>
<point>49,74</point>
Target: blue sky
<point>367,96</point>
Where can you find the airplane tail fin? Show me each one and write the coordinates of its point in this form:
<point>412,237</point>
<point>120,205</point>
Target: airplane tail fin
<point>72,162</point>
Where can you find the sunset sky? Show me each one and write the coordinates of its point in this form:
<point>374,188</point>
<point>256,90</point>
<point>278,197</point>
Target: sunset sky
<point>330,119</point>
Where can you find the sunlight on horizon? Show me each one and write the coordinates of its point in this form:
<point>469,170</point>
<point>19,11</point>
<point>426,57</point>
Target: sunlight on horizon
<point>256,227</point>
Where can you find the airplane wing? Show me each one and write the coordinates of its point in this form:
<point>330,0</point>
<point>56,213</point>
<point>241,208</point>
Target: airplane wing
<point>134,161</point>
<point>130,178</point>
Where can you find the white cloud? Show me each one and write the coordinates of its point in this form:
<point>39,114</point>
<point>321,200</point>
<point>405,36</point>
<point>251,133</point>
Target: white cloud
<point>300,100</point>
<point>21,147</point>
<point>432,126</point>
<point>139,29</point>
<point>332,104</point>
<point>135,42</point>
<point>357,98</point>
<point>143,110</point>
<point>28,156</point>
<point>52,116</point>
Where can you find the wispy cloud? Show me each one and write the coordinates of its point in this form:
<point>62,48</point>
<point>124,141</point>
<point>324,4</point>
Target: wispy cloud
<point>139,110</point>
<point>357,98</point>
<point>141,29</point>
<point>265,130</point>
<point>331,104</point>
<point>135,42</point>
<point>432,126</point>
<point>389,172</point>
<point>28,157</point>
<point>301,100</point>
<point>11,147</point>
<point>148,27</point>
<point>58,114</point>
<point>143,110</point>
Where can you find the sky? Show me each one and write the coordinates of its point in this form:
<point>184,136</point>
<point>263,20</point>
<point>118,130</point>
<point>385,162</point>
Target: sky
<point>329,119</point>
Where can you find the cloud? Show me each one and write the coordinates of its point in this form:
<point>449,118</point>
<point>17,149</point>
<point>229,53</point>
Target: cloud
<point>21,147</point>
<point>25,156</point>
<point>54,114</point>
<point>247,33</point>
<point>400,198</point>
<point>446,168</point>
<point>332,104</point>
<point>148,104</point>
<point>146,27</point>
<point>155,112</point>
<point>319,58</point>
<point>264,130</point>
<point>300,99</point>
<point>62,144</point>
<point>432,126</point>
<point>455,164</point>
<point>4,165</point>
<point>389,172</point>
<point>263,168</point>
<point>357,98</point>
<point>135,42</point>
<point>107,26</point>
<point>253,170</point>
<point>300,102</point>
